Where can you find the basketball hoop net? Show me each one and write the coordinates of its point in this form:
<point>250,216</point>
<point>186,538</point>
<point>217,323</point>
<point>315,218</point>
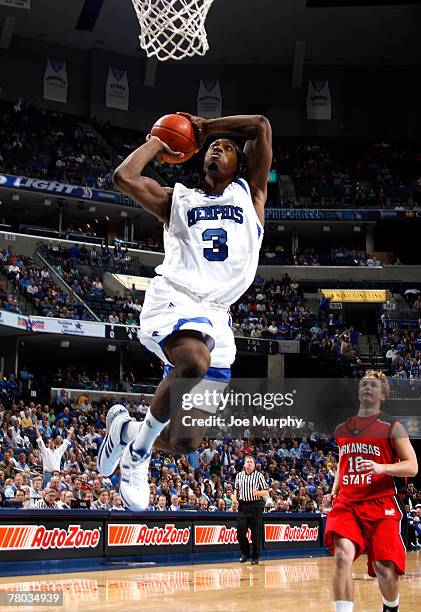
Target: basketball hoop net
<point>173,29</point>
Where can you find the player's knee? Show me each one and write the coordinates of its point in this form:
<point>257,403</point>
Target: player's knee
<point>195,367</point>
<point>384,572</point>
<point>342,558</point>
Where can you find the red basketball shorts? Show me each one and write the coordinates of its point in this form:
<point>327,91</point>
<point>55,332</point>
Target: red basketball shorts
<point>376,527</point>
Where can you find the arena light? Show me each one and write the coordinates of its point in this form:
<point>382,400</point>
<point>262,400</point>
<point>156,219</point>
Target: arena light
<point>16,197</point>
<point>92,209</point>
<point>111,348</point>
<point>47,202</point>
<point>357,228</point>
<point>326,228</point>
<point>64,344</point>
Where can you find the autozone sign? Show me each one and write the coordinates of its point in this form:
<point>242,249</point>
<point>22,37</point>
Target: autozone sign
<point>283,532</point>
<point>143,535</point>
<point>38,537</point>
<point>205,535</point>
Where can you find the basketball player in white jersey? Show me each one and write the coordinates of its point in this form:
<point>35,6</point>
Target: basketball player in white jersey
<point>212,240</point>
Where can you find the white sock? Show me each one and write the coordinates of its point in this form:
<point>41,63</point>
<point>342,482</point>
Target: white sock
<point>344,606</point>
<point>130,431</point>
<point>391,604</point>
<point>148,434</point>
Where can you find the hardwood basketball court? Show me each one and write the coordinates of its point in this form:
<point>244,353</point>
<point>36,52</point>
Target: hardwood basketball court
<point>294,584</point>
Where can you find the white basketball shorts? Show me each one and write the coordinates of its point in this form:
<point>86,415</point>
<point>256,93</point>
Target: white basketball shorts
<point>168,309</point>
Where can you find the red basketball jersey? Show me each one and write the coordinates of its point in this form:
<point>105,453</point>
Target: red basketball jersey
<point>366,438</point>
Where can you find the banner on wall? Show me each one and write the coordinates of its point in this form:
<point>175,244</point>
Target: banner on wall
<point>355,295</point>
<point>49,325</point>
<point>319,101</point>
<point>117,91</point>
<point>209,100</point>
<point>55,81</point>
<point>34,539</point>
<point>22,4</point>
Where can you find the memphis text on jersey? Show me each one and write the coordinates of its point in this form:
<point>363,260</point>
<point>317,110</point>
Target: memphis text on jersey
<point>214,213</point>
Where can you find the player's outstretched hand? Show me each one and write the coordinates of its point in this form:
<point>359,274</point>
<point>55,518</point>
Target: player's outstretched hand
<point>200,127</point>
<point>370,467</point>
<point>165,149</point>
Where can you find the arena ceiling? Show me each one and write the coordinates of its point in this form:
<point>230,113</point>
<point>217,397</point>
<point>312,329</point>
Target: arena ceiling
<point>244,31</point>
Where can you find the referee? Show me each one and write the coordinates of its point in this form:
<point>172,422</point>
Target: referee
<point>250,486</point>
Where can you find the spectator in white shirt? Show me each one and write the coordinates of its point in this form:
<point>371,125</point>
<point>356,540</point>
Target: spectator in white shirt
<point>137,306</point>
<point>208,454</point>
<point>142,407</point>
<point>32,288</point>
<point>113,318</point>
<point>51,455</point>
<point>65,501</point>
<point>175,504</point>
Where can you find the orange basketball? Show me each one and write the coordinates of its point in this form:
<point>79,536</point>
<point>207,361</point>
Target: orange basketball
<point>178,133</point>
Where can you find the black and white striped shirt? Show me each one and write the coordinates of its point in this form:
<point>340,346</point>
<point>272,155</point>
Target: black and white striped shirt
<point>245,483</point>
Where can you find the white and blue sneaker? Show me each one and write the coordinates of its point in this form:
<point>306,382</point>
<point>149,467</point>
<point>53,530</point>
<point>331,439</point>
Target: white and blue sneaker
<point>113,446</point>
<point>134,485</point>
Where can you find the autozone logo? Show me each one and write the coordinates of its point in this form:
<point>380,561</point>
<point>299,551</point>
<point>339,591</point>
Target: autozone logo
<point>36,537</point>
<point>142,535</point>
<point>216,534</point>
<point>290,533</point>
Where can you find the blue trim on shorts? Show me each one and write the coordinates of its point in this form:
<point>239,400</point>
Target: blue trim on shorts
<point>218,374</point>
<point>181,322</point>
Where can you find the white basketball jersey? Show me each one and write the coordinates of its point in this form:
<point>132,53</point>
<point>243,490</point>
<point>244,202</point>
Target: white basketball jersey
<point>212,242</point>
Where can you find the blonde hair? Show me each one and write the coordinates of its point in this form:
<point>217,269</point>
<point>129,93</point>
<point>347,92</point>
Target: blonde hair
<point>381,377</point>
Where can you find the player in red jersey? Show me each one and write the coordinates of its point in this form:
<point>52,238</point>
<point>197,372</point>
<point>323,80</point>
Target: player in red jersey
<point>375,458</point>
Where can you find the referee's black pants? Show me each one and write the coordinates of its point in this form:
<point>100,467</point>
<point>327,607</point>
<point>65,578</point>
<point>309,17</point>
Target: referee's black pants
<point>250,517</point>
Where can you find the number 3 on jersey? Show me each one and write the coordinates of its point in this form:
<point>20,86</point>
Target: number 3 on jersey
<point>219,249</point>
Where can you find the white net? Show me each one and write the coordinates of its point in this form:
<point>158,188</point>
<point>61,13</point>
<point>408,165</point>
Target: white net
<point>173,29</point>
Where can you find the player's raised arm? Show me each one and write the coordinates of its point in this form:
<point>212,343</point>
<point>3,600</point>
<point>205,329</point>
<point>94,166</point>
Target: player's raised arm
<point>257,150</point>
<point>145,191</point>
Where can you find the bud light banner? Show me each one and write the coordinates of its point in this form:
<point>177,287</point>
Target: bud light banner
<point>319,101</point>
<point>38,538</point>
<point>55,81</point>
<point>286,533</point>
<point>149,537</point>
<point>117,91</point>
<point>209,100</point>
<point>48,188</point>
